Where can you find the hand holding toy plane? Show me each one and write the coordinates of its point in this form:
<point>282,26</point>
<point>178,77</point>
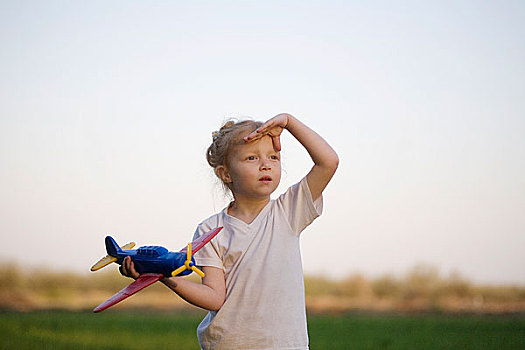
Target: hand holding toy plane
<point>152,263</point>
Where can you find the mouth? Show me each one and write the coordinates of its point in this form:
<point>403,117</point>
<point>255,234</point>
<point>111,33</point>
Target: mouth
<point>265,179</point>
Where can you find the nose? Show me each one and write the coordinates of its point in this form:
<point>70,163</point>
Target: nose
<point>265,166</point>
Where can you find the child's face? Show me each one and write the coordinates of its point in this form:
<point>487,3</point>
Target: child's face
<point>254,169</point>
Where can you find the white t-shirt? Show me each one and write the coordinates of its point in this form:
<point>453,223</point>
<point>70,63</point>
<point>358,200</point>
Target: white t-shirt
<point>264,306</point>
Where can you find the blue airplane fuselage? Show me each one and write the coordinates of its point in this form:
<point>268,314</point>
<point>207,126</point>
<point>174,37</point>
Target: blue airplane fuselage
<point>152,259</point>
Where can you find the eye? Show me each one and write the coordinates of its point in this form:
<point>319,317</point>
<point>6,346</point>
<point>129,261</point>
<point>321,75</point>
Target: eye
<point>250,158</point>
<point>274,157</point>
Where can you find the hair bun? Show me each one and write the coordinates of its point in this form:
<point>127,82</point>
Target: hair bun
<point>228,124</point>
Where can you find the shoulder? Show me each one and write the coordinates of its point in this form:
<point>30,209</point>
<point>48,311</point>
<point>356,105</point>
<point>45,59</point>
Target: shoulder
<point>211,222</point>
<point>297,206</point>
<point>298,189</point>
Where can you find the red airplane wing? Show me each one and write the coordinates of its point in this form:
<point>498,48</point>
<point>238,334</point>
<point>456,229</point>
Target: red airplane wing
<point>200,242</point>
<point>140,283</point>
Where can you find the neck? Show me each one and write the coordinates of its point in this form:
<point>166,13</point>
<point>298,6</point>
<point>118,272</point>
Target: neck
<point>247,209</point>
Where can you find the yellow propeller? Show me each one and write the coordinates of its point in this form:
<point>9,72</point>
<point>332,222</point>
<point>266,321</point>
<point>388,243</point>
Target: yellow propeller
<point>188,265</point>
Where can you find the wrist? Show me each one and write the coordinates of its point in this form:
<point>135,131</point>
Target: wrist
<point>288,119</point>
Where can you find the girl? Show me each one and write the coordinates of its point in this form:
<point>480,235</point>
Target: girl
<point>254,287</point>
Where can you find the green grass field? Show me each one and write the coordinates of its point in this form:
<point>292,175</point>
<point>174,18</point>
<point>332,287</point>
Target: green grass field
<point>126,330</point>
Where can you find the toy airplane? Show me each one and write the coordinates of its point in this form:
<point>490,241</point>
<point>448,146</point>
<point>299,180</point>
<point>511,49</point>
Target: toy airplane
<point>152,263</point>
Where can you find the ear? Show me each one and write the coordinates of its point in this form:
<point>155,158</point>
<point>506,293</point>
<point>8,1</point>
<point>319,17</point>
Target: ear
<point>223,174</point>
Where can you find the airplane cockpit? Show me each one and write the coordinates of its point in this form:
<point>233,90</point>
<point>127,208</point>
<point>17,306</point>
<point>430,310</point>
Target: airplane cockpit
<point>151,251</point>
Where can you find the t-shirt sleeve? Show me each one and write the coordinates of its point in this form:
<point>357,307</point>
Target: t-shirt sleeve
<point>299,208</point>
<point>209,254</point>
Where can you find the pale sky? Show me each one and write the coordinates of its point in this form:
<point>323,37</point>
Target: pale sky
<point>107,108</point>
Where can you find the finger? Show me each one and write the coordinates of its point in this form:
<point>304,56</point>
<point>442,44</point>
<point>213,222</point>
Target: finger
<point>123,270</point>
<point>125,265</point>
<point>276,141</point>
<point>132,272</point>
<point>128,268</point>
<point>259,132</point>
<point>250,137</point>
<point>254,135</point>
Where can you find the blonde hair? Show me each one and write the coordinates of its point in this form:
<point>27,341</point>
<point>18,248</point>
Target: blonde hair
<point>224,140</point>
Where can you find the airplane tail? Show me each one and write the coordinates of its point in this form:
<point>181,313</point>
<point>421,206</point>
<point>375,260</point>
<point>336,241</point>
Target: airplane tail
<point>112,247</point>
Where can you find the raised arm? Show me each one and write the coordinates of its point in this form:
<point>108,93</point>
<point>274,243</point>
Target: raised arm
<point>324,157</point>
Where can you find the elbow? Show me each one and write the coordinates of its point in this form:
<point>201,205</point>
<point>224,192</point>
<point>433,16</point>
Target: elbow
<point>333,162</point>
<point>336,161</point>
<point>215,308</point>
<point>216,305</point>
<point>216,300</point>
<point>329,164</point>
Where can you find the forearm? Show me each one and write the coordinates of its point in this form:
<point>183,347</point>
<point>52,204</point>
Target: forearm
<point>196,294</point>
<point>324,157</point>
<point>320,151</point>
<point>209,295</point>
